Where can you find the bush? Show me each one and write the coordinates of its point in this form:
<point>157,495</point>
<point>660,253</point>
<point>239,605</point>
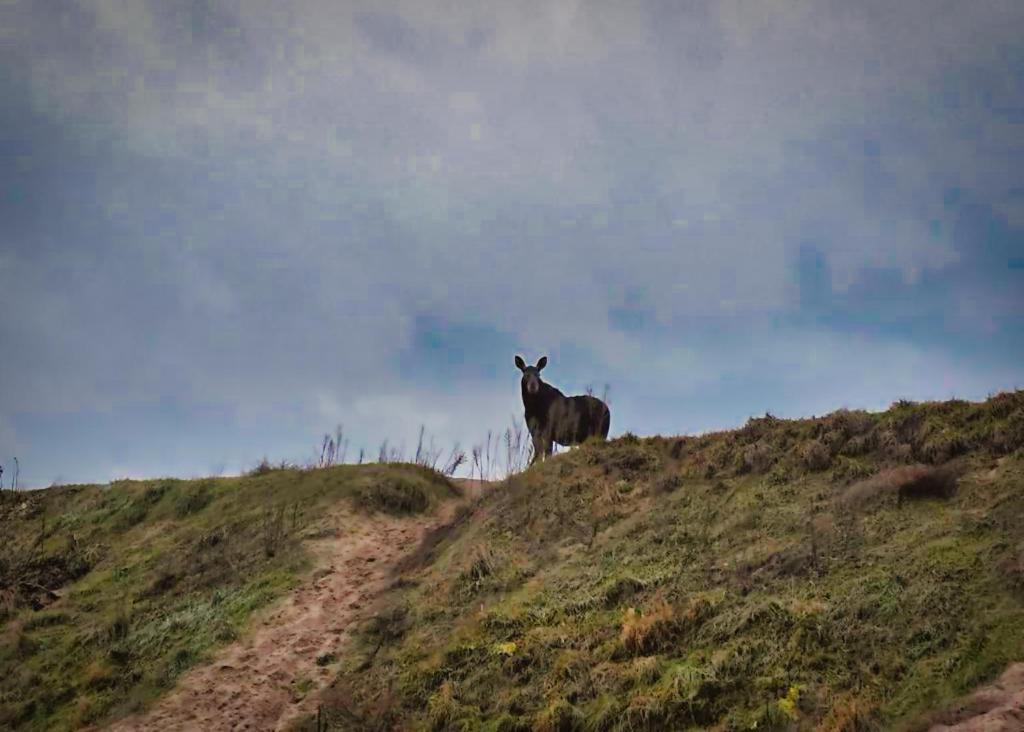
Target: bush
<point>647,633</point>
<point>668,484</point>
<point>395,496</point>
<point>560,716</point>
<point>846,470</point>
<point>389,625</point>
<point>1009,436</point>
<point>483,566</point>
<point>758,458</point>
<point>859,445</point>
<point>192,499</point>
<point>943,448</point>
<point>816,456</point>
<point>274,531</point>
<point>263,468</point>
<point>907,482</point>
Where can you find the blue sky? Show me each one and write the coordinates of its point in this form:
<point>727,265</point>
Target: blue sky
<point>227,227</point>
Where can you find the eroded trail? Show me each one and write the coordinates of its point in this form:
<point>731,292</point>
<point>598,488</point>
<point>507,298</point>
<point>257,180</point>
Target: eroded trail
<point>270,677</point>
<point>998,707</point>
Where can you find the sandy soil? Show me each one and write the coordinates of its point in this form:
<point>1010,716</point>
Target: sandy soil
<point>253,684</point>
<point>998,707</point>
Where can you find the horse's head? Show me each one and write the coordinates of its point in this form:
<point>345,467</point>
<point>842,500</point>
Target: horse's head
<point>531,374</point>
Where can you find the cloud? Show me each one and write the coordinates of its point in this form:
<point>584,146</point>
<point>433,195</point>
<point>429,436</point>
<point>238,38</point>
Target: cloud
<point>260,208</point>
<point>10,445</point>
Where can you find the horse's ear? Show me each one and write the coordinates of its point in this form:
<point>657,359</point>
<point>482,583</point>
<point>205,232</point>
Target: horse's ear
<point>520,363</point>
<point>542,363</point>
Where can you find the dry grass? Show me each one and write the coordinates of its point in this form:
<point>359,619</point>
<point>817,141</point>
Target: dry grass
<point>816,455</point>
<point>645,633</point>
<point>805,614</point>
<point>905,482</point>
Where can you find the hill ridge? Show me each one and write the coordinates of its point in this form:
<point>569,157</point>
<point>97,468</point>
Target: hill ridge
<point>852,571</point>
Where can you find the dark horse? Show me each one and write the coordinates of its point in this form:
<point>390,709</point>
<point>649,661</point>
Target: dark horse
<point>553,417</point>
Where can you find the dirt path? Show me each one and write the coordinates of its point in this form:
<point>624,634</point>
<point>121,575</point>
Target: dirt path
<point>998,707</point>
<point>270,678</point>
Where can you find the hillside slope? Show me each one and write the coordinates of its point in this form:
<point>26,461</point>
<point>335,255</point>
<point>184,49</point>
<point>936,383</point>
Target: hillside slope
<point>109,594</point>
<point>854,571</point>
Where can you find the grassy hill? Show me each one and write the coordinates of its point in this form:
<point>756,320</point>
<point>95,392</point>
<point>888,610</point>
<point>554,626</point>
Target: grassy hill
<point>854,571</point>
<point>109,593</point>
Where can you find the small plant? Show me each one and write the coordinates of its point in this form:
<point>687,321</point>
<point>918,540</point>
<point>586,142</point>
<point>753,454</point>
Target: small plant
<point>192,499</point>
<point>263,468</point>
<point>757,458</point>
<point>389,625</point>
<point>333,448</point>
<point>394,495</point>
<point>483,566</point>
<point>788,704</point>
<point>669,484</point>
<point>118,628</point>
<point>274,532</point>
<point>907,482</point>
<point>648,632</point>
<point>455,460</point>
<point>816,456</point>
<point>505,649</point>
<point>389,454</point>
<point>442,707</point>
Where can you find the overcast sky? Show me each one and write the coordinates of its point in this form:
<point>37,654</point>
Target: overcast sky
<point>226,227</point>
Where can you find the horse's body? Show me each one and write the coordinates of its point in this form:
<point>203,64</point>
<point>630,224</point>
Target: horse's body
<point>552,417</point>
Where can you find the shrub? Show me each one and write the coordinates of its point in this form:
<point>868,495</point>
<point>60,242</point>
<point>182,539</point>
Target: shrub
<point>274,531</point>
<point>632,458</point>
<point>263,468</point>
<point>621,590</point>
<point>442,707</point>
<point>135,511</point>
<point>473,577</point>
<point>943,447</point>
<point>860,445</point>
<point>1009,436</point>
<point>644,634</point>
<point>758,458</point>
<point>850,423</point>
<point>924,482</point>
<point>389,625</point>
<point>560,716</point>
<point>892,447</point>
<point>816,456</point>
<point>192,499</point>
<point>395,496</point>
<point>668,484</point>
<point>846,470</point>
<point>907,482</point>
<point>778,475</point>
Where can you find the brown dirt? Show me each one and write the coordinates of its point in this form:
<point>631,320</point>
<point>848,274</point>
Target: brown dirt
<point>253,684</point>
<point>998,707</point>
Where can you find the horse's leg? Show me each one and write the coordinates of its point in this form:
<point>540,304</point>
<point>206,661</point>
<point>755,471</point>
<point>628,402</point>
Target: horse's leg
<point>548,440</point>
<point>538,445</point>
